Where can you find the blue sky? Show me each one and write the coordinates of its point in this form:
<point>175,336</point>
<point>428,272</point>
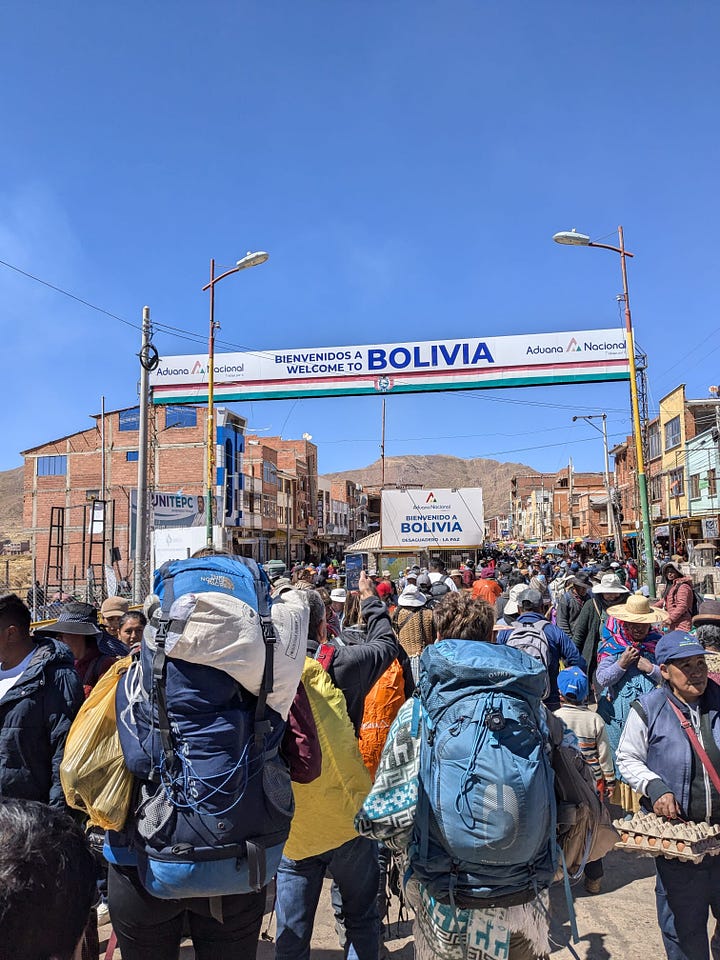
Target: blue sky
<point>405,164</point>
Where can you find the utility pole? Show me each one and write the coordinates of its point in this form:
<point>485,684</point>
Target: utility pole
<point>141,519</point>
<point>382,448</point>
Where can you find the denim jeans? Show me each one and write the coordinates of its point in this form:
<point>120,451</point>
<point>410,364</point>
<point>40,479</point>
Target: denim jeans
<point>354,867</point>
<point>684,892</point>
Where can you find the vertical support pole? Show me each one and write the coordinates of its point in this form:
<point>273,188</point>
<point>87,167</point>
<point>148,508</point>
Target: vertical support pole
<point>637,429</point>
<point>382,448</point>
<point>141,519</point>
<point>210,485</point>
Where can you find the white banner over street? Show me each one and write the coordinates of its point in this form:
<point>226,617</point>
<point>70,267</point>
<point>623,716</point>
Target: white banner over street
<point>575,356</point>
<point>432,518</point>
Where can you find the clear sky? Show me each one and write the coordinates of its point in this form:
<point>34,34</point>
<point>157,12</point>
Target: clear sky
<point>405,163</point>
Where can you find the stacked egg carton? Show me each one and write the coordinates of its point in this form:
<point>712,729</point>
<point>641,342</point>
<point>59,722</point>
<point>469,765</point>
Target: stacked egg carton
<point>648,834</point>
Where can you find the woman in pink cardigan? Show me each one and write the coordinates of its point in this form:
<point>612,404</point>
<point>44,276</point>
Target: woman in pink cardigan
<point>678,598</point>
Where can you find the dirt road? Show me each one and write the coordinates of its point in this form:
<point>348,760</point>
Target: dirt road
<point>619,923</point>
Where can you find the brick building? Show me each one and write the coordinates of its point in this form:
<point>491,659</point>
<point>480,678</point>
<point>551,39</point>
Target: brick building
<point>80,492</point>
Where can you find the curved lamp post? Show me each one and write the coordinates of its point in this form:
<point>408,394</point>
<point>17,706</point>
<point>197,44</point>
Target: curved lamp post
<point>249,260</point>
<point>574,239</point>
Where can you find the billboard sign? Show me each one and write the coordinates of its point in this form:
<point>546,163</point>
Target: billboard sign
<point>574,356</point>
<point>417,519</point>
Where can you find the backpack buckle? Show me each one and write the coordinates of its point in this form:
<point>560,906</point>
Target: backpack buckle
<point>495,720</point>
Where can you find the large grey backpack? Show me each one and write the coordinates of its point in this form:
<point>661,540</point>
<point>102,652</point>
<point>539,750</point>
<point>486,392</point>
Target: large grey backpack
<point>531,639</point>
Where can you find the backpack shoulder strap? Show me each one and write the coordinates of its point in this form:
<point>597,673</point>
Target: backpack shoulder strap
<point>262,593</point>
<point>159,669</point>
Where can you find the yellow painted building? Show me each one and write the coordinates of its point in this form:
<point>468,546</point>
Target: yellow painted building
<point>676,427</point>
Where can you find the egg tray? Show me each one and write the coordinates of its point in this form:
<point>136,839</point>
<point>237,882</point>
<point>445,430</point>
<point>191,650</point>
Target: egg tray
<point>649,834</point>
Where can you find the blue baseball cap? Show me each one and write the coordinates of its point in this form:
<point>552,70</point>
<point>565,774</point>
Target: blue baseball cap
<point>676,645</point>
<point>572,682</point>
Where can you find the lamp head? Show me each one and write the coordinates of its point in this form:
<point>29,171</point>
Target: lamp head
<point>571,238</point>
<point>252,260</point>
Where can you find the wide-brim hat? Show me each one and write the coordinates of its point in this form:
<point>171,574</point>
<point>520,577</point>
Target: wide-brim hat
<point>339,595</point>
<point>411,597</point>
<point>671,564</point>
<point>708,613</point>
<point>637,609</point>
<point>579,580</point>
<point>77,618</point>
<point>609,583</point>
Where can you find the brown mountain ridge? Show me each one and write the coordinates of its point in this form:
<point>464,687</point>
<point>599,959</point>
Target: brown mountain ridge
<point>439,470</point>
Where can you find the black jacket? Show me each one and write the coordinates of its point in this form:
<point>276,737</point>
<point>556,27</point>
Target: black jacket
<point>35,716</point>
<point>362,656</point>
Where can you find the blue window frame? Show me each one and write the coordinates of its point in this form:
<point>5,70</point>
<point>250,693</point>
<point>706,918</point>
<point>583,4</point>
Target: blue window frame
<point>178,416</point>
<point>129,419</point>
<point>131,456</point>
<point>51,466</point>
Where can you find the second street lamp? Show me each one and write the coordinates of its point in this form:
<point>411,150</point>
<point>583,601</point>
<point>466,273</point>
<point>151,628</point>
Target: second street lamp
<point>249,260</point>
<point>575,239</point>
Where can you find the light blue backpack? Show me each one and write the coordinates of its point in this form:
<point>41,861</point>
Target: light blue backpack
<point>485,829</point>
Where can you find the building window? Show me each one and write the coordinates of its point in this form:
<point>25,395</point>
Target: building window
<point>177,416</point>
<point>656,488</point>
<point>672,433</point>
<point>51,466</point>
<point>677,482</point>
<point>712,483</point>
<point>269,472</point>
<point>131,456</point>
<point>129,419</point>
<point>694,486</point>
<point>654,441</point>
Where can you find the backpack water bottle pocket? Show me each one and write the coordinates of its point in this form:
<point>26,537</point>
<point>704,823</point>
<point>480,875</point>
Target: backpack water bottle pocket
<point>277,789</point>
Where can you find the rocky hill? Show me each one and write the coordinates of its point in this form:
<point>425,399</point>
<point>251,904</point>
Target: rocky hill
<point>11,503</point>
<point>442,471</point>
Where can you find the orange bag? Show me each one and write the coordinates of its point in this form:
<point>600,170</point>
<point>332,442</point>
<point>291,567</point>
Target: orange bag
<point>382,705</point>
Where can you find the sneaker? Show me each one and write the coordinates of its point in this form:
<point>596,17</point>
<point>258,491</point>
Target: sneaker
<point>593,886</point>
<point>103,913</point>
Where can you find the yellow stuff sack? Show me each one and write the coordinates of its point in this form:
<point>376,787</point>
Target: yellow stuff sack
<point>93,772</point>
<point>325,809</point>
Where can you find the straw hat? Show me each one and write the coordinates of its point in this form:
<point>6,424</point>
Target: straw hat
<point>637,609</point>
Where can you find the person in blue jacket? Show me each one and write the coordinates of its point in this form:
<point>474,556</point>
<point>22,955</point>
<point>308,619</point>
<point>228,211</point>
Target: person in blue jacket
<point>560,645</point>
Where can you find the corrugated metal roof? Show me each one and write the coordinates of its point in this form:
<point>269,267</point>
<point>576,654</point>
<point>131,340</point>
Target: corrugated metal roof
<point>368,544</point>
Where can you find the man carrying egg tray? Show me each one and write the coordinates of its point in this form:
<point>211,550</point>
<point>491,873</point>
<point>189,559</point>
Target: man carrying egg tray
<point>669,752</point>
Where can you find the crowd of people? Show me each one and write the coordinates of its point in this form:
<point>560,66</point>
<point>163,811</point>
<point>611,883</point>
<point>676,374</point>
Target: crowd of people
<point>424,710</point>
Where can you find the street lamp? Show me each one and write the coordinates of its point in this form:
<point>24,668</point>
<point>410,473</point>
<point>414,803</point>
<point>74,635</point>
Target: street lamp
<point>574,239</point>
<point>249,260</point>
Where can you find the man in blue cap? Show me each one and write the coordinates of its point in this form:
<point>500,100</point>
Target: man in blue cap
<point>658,756</point>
